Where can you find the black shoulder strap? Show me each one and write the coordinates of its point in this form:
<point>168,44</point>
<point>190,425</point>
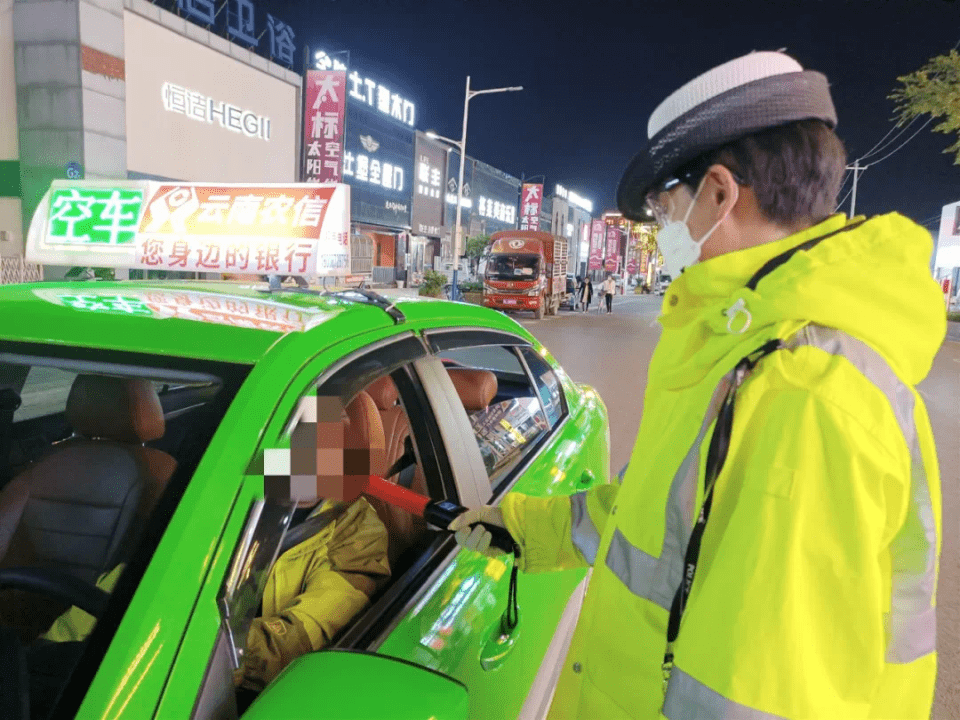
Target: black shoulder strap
<point>782,258</point>
<point>310,527</point>
<point>406,465</point>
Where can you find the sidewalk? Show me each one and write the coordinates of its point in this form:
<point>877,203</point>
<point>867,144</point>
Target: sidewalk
<point>953,331</point>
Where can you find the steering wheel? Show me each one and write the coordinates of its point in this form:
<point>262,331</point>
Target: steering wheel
<point>15,699</point>
<point>57,584</point>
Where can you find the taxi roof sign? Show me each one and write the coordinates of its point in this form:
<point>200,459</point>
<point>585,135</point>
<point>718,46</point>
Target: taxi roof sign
<point>271,229</point>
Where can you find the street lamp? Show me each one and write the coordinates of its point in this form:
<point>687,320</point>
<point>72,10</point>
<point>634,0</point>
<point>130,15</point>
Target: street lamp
<point>462,146</point>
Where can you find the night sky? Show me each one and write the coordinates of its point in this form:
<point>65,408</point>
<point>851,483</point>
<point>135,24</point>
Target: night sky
<point>593,71</point>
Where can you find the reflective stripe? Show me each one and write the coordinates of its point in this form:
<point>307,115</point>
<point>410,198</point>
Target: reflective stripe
<point>639,571</point>
<point>690,699</point>
<point>657,579</point>
<point>583,532</point>
<point>913,551</point>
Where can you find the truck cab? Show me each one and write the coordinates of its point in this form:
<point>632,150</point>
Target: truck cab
<point>525,270</point>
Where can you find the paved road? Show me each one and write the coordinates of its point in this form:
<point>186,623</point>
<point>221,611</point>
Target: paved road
<point>611,353</point>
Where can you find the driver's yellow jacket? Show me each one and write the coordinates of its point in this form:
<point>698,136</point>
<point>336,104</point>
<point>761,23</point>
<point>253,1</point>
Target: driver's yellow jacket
<point>314,589</point>
<point>813,595</point>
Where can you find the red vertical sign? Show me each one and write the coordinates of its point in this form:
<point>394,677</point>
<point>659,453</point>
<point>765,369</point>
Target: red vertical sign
<point>530,199</point>
<point>326,99</point>
<point>613,248</point>
<point>596,245</point>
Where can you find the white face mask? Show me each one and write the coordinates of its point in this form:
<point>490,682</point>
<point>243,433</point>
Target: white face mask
<point>677,245</point>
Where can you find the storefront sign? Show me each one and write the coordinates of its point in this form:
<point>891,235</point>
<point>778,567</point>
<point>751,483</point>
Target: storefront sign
<point>199,306</point>
<point>290,230</point>
<point>382,99</point>
<point>530,200</point>
<point>378,164</point>
<point>613,249</point>
<point>427,216</point>
<point>495,198</point>
<point>241,25</point>
<point>323,126</point>
<point>199,107</point>
<point>596,245</point>
<point>574,199</point>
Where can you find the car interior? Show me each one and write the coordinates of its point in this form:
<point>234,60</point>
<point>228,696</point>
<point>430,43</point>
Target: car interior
<point>81,472</point>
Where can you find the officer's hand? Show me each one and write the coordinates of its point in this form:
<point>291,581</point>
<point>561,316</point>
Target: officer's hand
<point>478,538</point>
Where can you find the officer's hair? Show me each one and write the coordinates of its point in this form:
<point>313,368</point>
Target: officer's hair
<point>794,170</point>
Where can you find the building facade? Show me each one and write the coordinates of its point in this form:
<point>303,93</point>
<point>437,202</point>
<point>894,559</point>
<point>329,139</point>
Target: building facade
<point>90,100</point>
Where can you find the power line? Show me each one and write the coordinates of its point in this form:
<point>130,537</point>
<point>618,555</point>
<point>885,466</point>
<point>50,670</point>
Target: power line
<point>875,162</point>
<point>881,146</point>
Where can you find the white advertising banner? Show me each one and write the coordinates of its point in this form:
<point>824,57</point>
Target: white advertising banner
<point>296,229</point>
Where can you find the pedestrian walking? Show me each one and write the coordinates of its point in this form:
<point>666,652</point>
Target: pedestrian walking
<point>609,288</point>
<point>779,562</point>
<point>577,293</point>
<point>586,294</point>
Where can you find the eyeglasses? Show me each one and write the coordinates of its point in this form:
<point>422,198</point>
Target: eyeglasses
<point>689,176</point>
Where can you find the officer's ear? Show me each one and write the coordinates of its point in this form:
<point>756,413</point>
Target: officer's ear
<point>720,191</point>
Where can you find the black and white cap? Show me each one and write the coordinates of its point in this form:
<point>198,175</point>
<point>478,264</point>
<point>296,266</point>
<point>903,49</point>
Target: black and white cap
<point>741,97</point>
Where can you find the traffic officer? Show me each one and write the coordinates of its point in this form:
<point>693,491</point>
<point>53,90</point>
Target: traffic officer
<point>772,550</point>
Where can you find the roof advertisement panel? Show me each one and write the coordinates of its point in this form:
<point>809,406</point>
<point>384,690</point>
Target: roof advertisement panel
<point>296,229</point>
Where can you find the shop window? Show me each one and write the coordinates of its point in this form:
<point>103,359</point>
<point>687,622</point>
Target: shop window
<point>361,255</point>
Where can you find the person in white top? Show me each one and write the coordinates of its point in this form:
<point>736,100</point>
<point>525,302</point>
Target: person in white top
<point>609,287</point>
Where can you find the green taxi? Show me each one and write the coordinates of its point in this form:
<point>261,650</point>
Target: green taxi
<point>167,480</point>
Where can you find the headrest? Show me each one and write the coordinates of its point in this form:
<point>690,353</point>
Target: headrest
<point>384,392</point>
<point>476,388</point>
<point>122,409</point>
<point>363,438</point>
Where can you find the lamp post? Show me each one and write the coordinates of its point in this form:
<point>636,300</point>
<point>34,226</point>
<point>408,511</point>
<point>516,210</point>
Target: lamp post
<point>461,146</point>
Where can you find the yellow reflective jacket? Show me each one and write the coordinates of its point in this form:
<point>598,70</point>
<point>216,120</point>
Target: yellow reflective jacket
<point>314,589</point>
<point>814,592</point>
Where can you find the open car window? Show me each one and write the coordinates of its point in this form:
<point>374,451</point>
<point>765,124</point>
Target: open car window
<point>512,423</point>
<point>92,467</point>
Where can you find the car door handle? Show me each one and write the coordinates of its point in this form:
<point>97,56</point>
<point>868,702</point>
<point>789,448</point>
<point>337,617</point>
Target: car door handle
<point>499,645</point>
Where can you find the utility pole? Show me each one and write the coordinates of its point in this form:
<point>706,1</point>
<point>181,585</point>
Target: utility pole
<point>856,176</point>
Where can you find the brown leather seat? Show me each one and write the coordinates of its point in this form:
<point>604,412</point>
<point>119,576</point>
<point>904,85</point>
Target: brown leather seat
<point>405,530</point>
<point>476,388</point>
<point>80,507</point>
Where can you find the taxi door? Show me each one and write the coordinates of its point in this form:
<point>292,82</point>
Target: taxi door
<point>525,434</point>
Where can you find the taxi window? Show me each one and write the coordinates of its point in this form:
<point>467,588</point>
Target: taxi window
<point>548,385</point>
<point>44,393</point>
<point>120,474</point>
<point>514,421</point>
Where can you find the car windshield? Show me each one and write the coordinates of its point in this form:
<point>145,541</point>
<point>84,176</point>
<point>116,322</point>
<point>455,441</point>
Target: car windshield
<point>87,461</point>
<point>665,278</point>
<point>513,267</point>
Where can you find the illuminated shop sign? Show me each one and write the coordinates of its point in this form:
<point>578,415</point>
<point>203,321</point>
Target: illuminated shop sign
<point>496,210</point>
<point>241,25</point>
<point>378,163</point>
<point>370,92</point>
<point>574,199</point>
<point>199,107</point>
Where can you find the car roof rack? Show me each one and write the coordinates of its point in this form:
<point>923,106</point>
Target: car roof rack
<point>357,295</point>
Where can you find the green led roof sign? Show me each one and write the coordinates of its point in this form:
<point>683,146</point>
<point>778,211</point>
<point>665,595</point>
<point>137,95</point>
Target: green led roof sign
<point>107,303</point>
<point>94,216</point>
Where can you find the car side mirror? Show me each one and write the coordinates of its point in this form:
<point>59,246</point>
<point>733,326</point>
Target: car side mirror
<point>354,685</point>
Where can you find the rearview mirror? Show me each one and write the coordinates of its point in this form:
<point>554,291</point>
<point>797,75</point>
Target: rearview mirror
<point>353,685</point>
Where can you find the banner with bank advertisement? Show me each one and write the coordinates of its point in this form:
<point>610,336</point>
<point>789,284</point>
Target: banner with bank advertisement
<point>596,245</point>
<point>325,104</point>
<point>531,199</point>
<point>295,229</point>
